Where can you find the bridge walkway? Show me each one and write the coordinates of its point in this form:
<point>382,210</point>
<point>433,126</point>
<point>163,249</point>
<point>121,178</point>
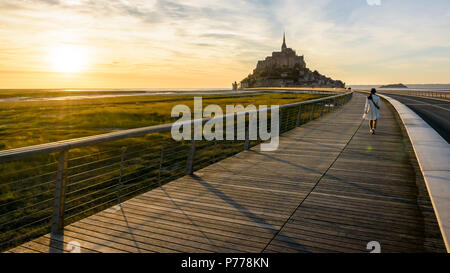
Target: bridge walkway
<point>330,187</point>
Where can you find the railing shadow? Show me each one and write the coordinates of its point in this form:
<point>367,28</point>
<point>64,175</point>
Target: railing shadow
<point>261,222</point>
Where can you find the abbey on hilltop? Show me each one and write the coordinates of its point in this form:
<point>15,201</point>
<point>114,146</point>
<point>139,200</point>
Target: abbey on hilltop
<point>284,69</point>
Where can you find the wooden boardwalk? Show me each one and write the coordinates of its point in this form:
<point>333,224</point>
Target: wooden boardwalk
<point>330,187</point>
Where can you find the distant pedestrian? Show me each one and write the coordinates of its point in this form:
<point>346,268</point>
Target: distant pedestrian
<point>372,110</point>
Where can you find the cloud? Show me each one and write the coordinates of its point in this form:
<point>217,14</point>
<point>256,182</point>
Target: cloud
<point>224,39</point>
<point>374,2</point>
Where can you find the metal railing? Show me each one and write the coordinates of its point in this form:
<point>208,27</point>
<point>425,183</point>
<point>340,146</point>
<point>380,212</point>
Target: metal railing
<point>419,93</point>
<point>301,90</point>
<point>45,187</point>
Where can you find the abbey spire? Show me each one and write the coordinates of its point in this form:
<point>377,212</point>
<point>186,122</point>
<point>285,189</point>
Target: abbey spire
<point>283,46</point>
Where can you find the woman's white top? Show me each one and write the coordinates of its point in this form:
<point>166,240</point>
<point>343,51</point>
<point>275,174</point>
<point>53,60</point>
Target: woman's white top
<point>372,112</point>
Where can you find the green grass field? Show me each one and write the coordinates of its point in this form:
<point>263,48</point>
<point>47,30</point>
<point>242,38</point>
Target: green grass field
<point>27,123</point>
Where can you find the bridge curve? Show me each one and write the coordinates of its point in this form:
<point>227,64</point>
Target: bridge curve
<point>433,111</point>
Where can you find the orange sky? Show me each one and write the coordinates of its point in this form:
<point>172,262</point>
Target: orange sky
<point>200,43</point>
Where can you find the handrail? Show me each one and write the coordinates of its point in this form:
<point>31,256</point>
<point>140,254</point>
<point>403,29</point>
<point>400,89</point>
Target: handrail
<point>306,89</point>
<point>19,153</point>
<point>416,93</point>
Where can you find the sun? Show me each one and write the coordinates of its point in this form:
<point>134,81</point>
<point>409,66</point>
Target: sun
<point>68,59</point>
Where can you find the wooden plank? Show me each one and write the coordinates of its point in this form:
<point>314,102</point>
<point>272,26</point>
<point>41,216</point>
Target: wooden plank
<point>196,224</point>
<point>23,249</point>
<point>152,215</point>
<point>162,237</point>
<point>172,228</point>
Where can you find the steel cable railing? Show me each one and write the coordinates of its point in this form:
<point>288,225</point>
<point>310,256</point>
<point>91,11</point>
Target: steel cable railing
<point>45,187</point>
<point>419,93</point>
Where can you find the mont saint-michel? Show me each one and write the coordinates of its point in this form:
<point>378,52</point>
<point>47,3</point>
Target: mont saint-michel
<point>285,68</point>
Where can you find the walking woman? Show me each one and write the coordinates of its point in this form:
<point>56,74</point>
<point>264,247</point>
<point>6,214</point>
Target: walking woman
<point>372,110</point>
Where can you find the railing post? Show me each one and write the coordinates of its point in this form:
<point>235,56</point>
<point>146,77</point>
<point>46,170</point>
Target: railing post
<point>299,117</point>
<point>247,135</point>
<point>286,124</point>
<point>122,160</point>
<point>161,157</point>
<point>60,195</point>
<point>120,184</point>
<point>215,148</point>
<point>312,112</point>
<point>281,121</point>
<point>190,160</point>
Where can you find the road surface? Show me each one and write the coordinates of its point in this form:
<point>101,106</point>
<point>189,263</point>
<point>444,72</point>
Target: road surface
<point>435,112</point>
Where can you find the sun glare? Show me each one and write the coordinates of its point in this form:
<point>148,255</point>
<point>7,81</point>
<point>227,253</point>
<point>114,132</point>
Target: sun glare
<point>68,59</point>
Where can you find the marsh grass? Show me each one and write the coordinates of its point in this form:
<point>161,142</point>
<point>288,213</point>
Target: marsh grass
<point>28,123</point>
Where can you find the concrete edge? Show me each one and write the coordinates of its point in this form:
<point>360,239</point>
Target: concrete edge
<point>433,155</point>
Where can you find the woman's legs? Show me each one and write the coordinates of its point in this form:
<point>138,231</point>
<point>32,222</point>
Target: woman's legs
<point>372,125</point>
